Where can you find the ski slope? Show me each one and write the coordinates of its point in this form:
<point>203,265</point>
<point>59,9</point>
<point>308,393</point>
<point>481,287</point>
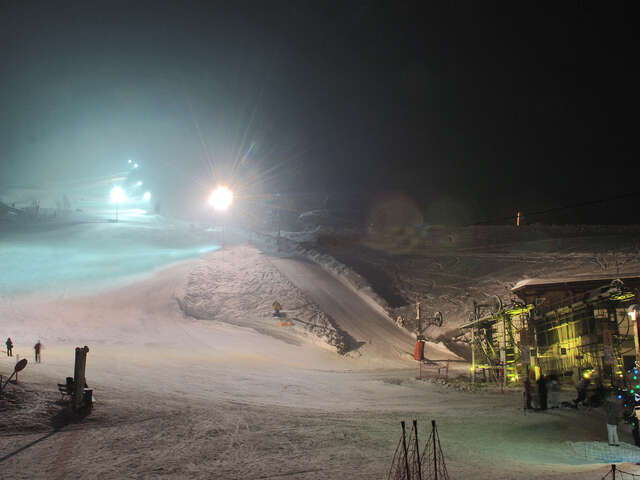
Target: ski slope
<point>376,337</point>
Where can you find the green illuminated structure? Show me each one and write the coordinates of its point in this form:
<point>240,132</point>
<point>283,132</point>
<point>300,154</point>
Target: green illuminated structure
<point>565,327</point>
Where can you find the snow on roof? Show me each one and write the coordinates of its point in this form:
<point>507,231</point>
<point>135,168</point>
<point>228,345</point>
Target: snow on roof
<point>531,282</point>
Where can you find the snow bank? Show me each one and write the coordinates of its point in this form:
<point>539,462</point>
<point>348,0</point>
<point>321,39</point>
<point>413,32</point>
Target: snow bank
<point>239,285</point>
<point>342,272</point>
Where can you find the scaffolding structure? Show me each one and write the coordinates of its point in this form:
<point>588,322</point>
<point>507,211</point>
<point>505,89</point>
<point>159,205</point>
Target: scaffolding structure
<point>587,333</point>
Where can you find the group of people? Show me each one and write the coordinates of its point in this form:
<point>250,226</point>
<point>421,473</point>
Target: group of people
<point>537,398</point>
<point>37,349</point>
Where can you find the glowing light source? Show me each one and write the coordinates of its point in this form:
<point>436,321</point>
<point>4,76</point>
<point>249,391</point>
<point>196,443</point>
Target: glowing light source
<point>129,161</point>
<point>221,198</point>
<point>147,196</point>
<point>118,195</point>
<point>135,165</point>
<point>139,183</point>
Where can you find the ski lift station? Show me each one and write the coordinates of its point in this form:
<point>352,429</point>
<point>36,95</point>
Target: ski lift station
<point>568,327</point>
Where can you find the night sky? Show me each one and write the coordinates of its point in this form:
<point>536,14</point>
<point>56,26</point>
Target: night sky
<point>472,109</point>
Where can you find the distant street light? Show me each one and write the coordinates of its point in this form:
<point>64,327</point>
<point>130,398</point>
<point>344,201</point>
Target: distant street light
<point>147,196</point>
<point>221,198</point>
<point>117,196</point>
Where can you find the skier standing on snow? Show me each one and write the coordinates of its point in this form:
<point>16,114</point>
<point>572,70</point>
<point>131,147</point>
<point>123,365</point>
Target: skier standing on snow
<point>37,347</point>
<point>613,417</point>
<point>9,344</point>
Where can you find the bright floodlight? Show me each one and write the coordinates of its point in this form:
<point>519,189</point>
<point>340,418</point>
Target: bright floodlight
<point>118,195</point>
<point>146,196</point>
<point>138,183</point>
<point>135,165</point>
<point>129,161</point>
<point>221,198</point>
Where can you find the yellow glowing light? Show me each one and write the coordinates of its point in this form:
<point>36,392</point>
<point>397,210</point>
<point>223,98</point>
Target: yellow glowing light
<point>221,198</point>
<point>623,296</point>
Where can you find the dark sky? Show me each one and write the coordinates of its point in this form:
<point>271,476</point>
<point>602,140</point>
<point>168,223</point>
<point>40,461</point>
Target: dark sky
<point>473,108</point>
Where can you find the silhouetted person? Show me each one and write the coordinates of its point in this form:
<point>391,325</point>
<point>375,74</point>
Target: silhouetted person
<point>542,393</point>
<point>37,347</point>
<point>613,418</point>
<point>9,344</point>
<point>582,391</point>
<point>527,393</point>
<point>555,392</point>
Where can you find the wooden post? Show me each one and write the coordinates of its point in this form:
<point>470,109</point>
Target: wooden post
<point>473,355</point>
<point>503,353</point>
<point>404,446</point>
<point>435,454</point>
<point>415,429</point>
<point>613,471</point>
<point>79,379</point>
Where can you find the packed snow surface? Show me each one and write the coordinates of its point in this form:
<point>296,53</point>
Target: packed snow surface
<point>194,379</point>
<point>80,256</point>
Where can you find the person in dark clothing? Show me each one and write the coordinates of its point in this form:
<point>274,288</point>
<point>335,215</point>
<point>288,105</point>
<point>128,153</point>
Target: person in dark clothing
<point>9,344</point>
<point>555,391</point>
<point>612,409</point>
<point>542,392</point>
<point>527,393</point>
<point>37,347</point>
<point>582,391</point>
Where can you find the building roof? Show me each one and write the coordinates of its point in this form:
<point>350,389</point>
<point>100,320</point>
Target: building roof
<point>567,281</point>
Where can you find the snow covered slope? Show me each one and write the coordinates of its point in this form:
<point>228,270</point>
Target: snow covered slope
<point>449,278</point>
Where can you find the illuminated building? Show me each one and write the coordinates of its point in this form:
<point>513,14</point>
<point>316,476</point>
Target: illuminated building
<point>567,327</point>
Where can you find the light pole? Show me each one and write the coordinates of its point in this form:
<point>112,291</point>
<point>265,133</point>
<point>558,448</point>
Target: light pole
<point>634,316</point>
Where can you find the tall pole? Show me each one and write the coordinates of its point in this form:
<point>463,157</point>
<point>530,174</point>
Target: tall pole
<point>435,454</point>
<point>473,354</point>
<point>415,429</point>
<point>116,212</point>
<point>404,446</point>
<point>503,353</point>
<point>636,332</point>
